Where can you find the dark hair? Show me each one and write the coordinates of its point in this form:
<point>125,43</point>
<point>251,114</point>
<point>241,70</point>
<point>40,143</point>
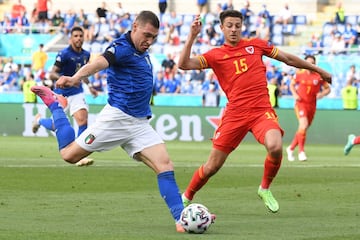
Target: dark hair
<point>77,28</point>
<point>230,13</point>
<point>310,56</point>
<point>148,17</point>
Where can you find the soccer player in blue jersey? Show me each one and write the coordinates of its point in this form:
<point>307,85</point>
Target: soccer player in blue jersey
<point>68,62</point>
<point>124,121</point>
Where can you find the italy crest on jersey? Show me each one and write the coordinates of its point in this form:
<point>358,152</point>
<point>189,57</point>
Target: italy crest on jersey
<point>89,139</point>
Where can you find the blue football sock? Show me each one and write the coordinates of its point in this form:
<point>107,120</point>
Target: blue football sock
<point>81,129</point>
<point>170,193</point>
<point>65,134</point>
<point>47,123</point>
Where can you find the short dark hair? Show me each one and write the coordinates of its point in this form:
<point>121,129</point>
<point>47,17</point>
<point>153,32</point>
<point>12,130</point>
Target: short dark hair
<point>148,17</point>
<point>310,56</point>
<point>230,13</point>
<point>75,29</point>
<point>41,45</point>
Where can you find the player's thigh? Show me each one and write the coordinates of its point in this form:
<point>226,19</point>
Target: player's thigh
<point>303,123</point>
<point>145,141</point>
<point>305,115</point>
<point>264,123</point>
<point>114,128</point>
<point>229,134</point>
<point>311,114</point>
<point>156,157</point>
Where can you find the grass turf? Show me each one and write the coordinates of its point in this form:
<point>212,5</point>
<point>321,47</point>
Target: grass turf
<point>42,197</point>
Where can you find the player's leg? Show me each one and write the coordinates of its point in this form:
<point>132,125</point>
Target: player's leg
<point>203,173</point>
<point>45,122</point>
<point>303,126</point>
<point>157,158</point>
<point>79,109</point>
<point>273,144</point>
<point>268,132</point>
<point>69,150</point>
<point>232,132</point>
<point>143,143</point>
<point>305,123</point>
<point>81,117</point>
<point>48,123</point>
<point>290,149</point>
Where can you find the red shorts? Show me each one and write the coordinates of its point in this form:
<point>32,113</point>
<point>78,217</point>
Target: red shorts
<point>305,110</point>
<point>236,124</point>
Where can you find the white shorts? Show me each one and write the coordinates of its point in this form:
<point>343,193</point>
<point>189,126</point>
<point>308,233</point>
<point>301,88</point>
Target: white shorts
<point>114,128</point>
<point>75,103</point>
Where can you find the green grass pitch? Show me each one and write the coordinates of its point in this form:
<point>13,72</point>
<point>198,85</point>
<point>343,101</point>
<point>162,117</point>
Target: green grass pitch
<point>42,197</point>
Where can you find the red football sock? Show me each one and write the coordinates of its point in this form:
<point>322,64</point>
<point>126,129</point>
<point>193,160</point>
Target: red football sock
<point>197,182</point>
<point>294,142</point>
<point>270,171</point>
<point>301,139</point>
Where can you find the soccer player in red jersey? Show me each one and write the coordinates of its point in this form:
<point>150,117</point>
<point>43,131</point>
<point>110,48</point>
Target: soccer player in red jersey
<point>306,87</point>
<point>241,73</point>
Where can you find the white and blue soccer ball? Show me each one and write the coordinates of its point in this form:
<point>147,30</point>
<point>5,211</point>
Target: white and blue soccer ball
<point>195,218</point>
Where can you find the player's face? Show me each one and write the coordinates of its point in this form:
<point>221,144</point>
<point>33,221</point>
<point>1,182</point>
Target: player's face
<point>77,39</point>
<point>143,36</point>
<point>231,28</point>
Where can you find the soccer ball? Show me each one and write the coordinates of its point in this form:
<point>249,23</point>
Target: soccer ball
<point>195,218</point>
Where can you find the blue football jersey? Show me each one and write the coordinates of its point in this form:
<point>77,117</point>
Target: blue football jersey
<point>129,77</point>
<point>69,62</point>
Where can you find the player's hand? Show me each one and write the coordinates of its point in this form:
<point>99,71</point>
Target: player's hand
<point>326,76</point>
<point>65,82</point>
<point>196,26</point>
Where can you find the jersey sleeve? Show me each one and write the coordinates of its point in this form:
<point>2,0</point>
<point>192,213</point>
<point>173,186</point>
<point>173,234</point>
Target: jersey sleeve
<point>117,53</point>
<point>207,58</point>
<point>59,59</point>
<point>109,54</point>
<point>268,48</point>
<point>203,62</point>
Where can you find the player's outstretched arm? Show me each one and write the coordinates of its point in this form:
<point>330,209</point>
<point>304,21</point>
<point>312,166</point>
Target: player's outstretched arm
<point>185,62</point>
<point>297,62</point>
<point>84,72</point>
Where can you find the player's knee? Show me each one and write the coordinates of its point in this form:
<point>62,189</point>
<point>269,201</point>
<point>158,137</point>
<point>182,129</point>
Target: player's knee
<point>69,157</point>
<point>161,165</point>
<point>168,164</point>
<point>274,149</point>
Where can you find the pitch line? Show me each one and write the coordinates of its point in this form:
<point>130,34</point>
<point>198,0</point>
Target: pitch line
<point>119,164</point>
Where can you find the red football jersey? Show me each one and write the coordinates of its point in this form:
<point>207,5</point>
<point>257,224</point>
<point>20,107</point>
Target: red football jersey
<point>241,72</point>
<point>308,85</point>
